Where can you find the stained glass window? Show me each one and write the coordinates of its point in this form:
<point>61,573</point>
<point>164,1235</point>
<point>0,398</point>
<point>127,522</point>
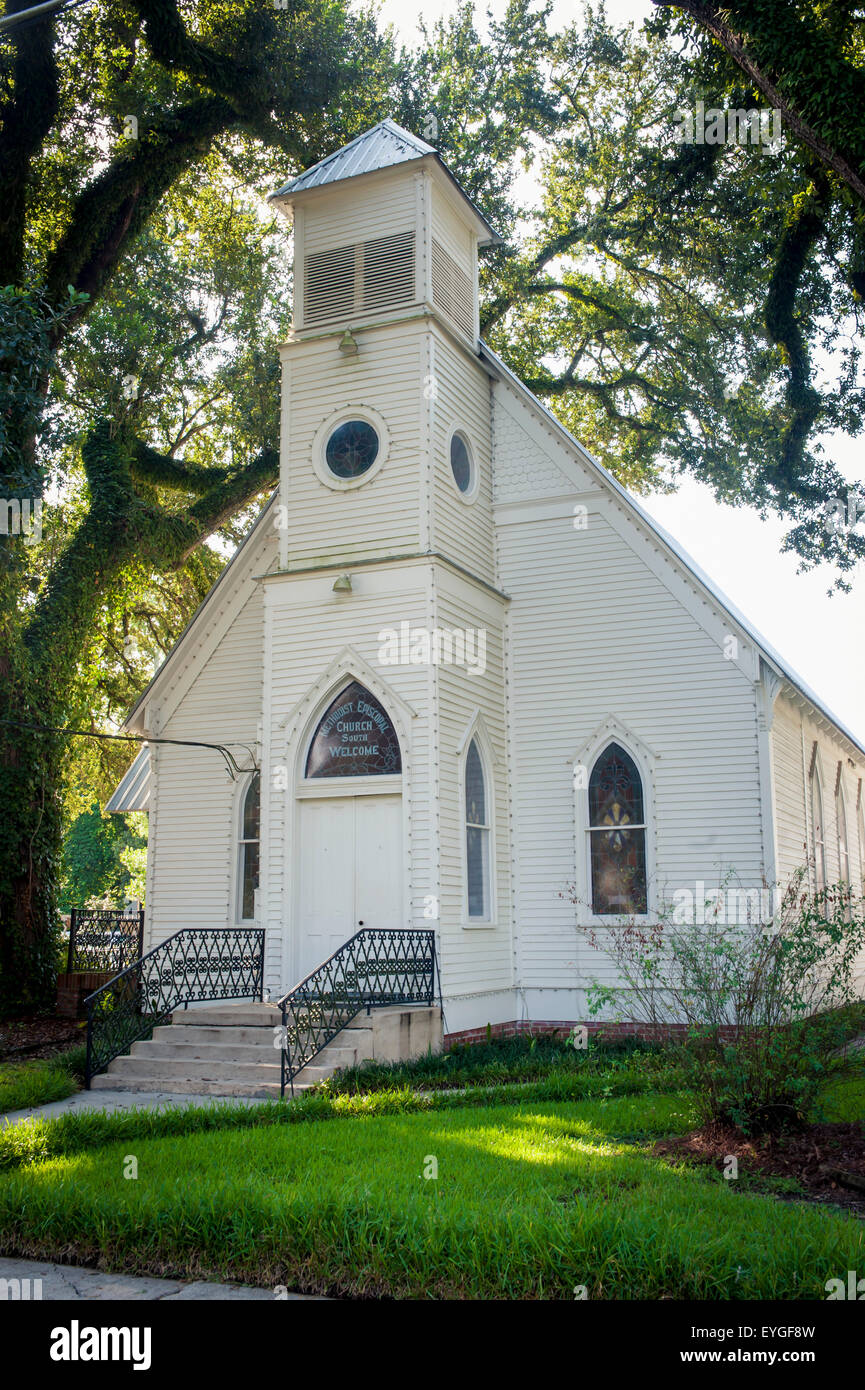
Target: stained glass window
<point>352,449</point>
<point>617,835</point>
<point>477,837</point>
<point>250,835</point>
<point>461,463</point>
<point>354,738</point>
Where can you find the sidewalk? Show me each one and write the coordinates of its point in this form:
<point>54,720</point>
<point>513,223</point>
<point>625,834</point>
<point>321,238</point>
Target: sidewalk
<point>109,1101</point>
<point>69,1283</point>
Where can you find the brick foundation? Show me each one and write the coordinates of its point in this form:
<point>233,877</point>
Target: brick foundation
<point>73,989</point>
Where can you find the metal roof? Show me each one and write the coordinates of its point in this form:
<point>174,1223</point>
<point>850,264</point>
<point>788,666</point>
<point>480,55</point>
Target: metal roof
<point>133,792</point>
<point>766,650</point>
<point>381,147</point>
<point>386,144</point>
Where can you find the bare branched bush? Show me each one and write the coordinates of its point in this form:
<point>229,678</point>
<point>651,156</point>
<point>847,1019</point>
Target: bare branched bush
<point>765,1004</point>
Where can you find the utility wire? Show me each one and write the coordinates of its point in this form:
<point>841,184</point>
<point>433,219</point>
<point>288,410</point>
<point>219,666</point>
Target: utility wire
<point>37,13</point>
<point>234,770</point>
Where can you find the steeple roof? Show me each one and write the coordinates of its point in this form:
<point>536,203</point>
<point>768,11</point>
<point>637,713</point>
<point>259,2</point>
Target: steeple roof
<point>381,147</point>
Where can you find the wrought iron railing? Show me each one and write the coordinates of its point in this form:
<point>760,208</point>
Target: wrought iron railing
<point>375,967</point>
<point>104,939</point>
<point>195,964</point>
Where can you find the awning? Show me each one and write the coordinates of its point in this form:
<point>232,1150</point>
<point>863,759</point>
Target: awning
<point>133,793</point>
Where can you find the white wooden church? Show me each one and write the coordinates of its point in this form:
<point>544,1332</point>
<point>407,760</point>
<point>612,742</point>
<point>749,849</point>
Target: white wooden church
<point>463,673</point>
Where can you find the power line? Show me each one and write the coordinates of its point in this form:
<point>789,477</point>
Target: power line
<point>234,770</point>
<point>37,13</point>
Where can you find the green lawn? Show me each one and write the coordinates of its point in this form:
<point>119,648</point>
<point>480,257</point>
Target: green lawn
<point>530,1201</point>
<point>504,1061</point>
<point>37,1082</point>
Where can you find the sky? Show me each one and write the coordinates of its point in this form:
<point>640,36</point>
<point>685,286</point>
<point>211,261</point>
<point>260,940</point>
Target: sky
<point>819,636</point>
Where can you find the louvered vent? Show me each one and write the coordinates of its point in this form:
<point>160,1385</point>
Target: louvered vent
<point>388,270</point>
<point>354,279</point>
<point>452,289</point>
<point>329,284</point>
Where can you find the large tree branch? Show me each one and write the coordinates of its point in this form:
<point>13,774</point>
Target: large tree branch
<point>784,330</point>
<point>847,164</point>
<point>112,209</point>
<point>166,471</point>
<point>26,118</point>
<point>120,526</point>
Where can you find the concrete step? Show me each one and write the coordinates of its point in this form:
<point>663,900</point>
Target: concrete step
<point>193,1086</point>
<point>215,1033</point>
<point>243,1015</point>
<point>214,1052</point>
<point>163,1068</point>
<point>333,1055</point>
<point>227,1050</point>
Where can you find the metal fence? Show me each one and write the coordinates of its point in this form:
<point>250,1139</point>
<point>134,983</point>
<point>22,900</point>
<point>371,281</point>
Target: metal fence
<point>194,965</point>
<point>104,939</point>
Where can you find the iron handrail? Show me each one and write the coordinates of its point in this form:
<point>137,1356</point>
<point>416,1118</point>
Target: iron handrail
<point>376,967</point>
<point>192,965</point>
<point>100,938</point>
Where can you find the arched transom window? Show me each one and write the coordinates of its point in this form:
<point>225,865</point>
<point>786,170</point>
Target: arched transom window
<point>354,738</point>
<point>617,834</point>
<point>477,837</point>
<point>249,847</point>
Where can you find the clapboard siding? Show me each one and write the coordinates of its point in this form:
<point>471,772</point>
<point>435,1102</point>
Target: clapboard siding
<point>473,958</point>
<point>385,204</point>
<point>793,735</point>
<point>592,633</point>
<point>451,230</point>
<point>326,525</point>
<point>195,803</point>
<point>463,531</point>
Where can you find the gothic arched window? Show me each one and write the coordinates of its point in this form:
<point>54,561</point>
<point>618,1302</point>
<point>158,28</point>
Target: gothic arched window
<point>617,834</point>
<point>354,738</point>
<point>249,846</point>
<point>818,843</point>
<point>843,844</point>
<point>477,836</point>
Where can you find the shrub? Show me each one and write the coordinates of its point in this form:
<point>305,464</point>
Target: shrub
<point>765,1004</point>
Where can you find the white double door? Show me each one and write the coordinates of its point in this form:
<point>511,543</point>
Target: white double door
<point>350,867</point>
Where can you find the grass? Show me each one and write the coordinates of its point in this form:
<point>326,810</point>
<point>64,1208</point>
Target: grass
<point>530,1201</point>
<point>506,1061</point>
<point>34,1140</point>
<point>25,1084</point>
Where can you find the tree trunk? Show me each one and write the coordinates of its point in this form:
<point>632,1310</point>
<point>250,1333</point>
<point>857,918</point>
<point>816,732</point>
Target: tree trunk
<point>31,767</point>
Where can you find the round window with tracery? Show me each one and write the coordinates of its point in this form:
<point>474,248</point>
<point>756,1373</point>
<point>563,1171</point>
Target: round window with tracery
<point>352,449</point>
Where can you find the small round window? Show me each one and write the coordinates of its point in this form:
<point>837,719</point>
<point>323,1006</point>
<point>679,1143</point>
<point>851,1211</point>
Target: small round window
<point>351,449</point>
<point>461,463</point>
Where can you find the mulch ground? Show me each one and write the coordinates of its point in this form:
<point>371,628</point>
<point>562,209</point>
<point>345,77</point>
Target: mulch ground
<point>826,1160</point>
<point>38,1037</point>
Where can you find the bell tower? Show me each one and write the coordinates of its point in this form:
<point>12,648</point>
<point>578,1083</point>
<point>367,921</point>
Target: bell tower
<point>403,237</point>
<point>386,588</point>
<point>385,263</point>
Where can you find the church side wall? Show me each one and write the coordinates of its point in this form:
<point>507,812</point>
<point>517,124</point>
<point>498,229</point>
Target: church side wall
<point>596,629</point>
<point>195,803</point>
